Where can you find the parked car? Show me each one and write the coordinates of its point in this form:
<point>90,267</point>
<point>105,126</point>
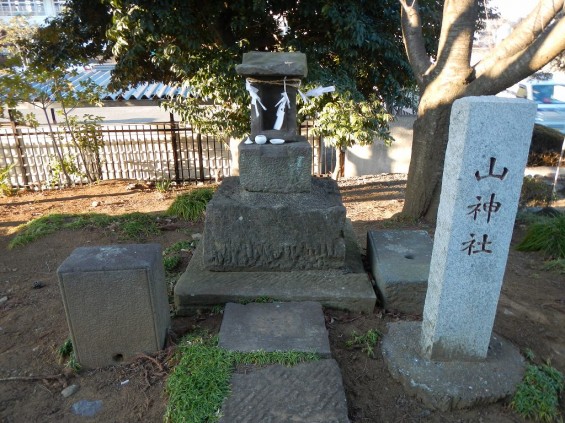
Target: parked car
<point>550,98</point>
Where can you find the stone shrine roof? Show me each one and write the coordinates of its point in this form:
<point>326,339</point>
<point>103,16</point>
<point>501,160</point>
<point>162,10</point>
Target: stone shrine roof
<point>258,63</point>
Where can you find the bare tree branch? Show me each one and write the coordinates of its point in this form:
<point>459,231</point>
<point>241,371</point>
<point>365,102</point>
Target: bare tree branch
<point>523,35</point>
<point>510,70</point>
<point>414,39</point>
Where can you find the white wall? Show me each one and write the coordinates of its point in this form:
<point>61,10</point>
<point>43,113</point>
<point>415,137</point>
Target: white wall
<point>378,158</point>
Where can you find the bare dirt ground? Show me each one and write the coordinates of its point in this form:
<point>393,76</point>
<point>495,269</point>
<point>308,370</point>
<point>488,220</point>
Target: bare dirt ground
<point>531,314</point>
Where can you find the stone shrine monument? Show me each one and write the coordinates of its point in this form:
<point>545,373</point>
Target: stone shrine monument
<point>452,359</point>
<point>275,230</point>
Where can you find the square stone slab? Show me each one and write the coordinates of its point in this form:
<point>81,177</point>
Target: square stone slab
<point>296,326</point>
<point>400,264</point>
<point>307,393</point>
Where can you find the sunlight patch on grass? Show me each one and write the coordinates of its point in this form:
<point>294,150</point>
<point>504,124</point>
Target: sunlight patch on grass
<point>131,226</point>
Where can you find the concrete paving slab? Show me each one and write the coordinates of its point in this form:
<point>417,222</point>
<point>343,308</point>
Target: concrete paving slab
<point>448,385</point>
<point>400,264</point>
<point>349,288</point>
<point>307,393</point>
<point>275,327</point>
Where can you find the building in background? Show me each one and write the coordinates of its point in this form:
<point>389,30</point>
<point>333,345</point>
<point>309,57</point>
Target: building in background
<point>35,10</point>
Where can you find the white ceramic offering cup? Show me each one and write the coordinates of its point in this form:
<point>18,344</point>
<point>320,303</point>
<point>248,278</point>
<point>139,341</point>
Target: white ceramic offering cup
<point>260,139</point>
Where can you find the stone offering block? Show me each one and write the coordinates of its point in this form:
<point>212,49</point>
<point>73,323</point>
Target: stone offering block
<point>276,168</point>
<point>400,264</point>
<point>306,393</point>
<point>250,231</point>
<point>297,326</point>
<point>115,301</point>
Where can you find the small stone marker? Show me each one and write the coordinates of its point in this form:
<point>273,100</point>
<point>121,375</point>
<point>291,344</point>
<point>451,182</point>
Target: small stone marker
<point>452,359</point>
<point>115,301</point>
<point>297,326</point>
<point>306,393</point>
<point>486,156</point>
<point>400,264</point>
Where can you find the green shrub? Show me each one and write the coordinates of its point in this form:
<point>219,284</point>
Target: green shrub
<point>191,206</point>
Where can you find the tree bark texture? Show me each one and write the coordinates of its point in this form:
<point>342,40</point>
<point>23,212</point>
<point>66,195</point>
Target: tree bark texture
<point>537,40</point>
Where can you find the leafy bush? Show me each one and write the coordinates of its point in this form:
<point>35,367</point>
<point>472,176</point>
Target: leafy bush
<point>191,206</point>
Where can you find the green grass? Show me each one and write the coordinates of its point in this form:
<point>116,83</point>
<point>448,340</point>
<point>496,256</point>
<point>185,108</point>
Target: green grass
<point>365,341</point>
<point>199,383</point>
<point>172,257</point>
<point>546,235</point>
<point>191,206</point>
<point>132,226</point>
<point>67,355</point>
<point>537,396</point>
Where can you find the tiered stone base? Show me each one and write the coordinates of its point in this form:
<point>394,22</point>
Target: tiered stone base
<point>348,288</point>
<point>265,231</point>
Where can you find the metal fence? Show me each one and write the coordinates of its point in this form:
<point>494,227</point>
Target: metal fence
<point>149,152</point>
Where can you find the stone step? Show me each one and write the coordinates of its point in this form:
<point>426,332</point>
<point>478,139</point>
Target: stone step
<point>275,327</point>
<point>349,288</point>
<point>309,392</point>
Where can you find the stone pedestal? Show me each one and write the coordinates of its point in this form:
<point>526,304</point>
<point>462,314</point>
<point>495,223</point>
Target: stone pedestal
<point>116,302</point>
<point>250,231</point>
<point>275,231</point>
<point>285,168</point>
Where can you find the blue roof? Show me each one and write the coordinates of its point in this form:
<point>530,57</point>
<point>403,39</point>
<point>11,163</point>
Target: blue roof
<point>101,75</point>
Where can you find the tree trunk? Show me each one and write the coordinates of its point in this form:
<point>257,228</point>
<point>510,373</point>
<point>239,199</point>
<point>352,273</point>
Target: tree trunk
<point>430,136</point>
<point>423,188</point>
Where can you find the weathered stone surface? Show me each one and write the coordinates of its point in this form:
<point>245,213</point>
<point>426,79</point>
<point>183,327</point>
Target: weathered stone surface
<point>400,264</point>
<point>484,168</point>
<point>451,385</point>
<point>115,300</point>
<point>284,168</point>
<point>250,231</point>
<point>349,288</point>
<point>294,326</point>
<point>258,63</point>
<point>306,393</point>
